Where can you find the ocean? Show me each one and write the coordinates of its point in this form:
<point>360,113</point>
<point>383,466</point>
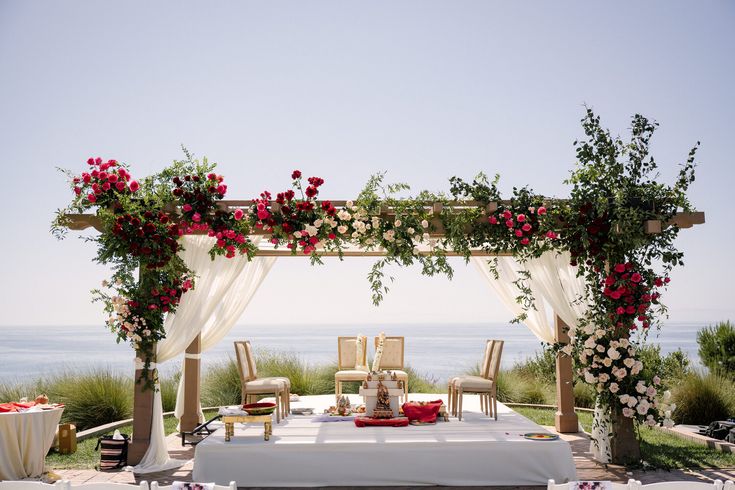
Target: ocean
<point>438,350</point>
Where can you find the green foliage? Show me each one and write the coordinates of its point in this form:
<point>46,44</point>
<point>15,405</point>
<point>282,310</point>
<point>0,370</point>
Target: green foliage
<point>541,365</point>
<point>717,348</point>
<point>703,398</point>
<point>671,367</point>
<point>584,395</point>
<point>169,387</point>
<point>516,387</point>
<point>221,385</point>
<point>91,398</point>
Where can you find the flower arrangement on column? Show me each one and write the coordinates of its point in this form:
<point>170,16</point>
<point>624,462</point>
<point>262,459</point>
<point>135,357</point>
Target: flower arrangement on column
<point>614,192</point>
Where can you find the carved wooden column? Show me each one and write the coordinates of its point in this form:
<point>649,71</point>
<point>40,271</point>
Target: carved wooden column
<point>565,418</point>
<point>142,418</point>
<point>192,361</point>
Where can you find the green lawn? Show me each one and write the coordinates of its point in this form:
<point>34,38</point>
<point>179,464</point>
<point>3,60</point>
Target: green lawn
<point>659,449</point>
<point>87,458</point>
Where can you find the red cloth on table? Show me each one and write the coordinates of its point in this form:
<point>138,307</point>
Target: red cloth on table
<point>423,412</point>
<point>15,406</point>
<point>370,421</point>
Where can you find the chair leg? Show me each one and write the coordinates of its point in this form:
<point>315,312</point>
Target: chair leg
<point>279,397</point>
<point>449,397</point>
<point>337,388</point>
<point>460,395</point>
<point>495,406</point>
<point>482,403</point>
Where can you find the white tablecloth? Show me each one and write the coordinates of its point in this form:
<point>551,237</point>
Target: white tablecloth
<point>25,439</point>
<point>301,452</point>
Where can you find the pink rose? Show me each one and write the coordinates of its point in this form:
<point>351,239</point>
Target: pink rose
<point>263,214</point>
<point>196,217</point>
<point>509,223</point>
<point>92,198</point>
<point>120,186</point>
<point>521,218</point>
<point>541,211</point>
<point>239,214</point>
<point>134,186</point>
<point>186,207</point>
<point>551,234</point>
<point>106,186</point>
<point>519,233</point>
<point>112,178</point>
<point>493,220</point>
<point>524,241</point>
<point>526,227</point>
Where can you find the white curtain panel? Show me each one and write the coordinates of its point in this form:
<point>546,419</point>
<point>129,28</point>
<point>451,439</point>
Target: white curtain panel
<point>559,285</point>
<point>228,311</point>
<point>536,320</point>
<point>217,282</point>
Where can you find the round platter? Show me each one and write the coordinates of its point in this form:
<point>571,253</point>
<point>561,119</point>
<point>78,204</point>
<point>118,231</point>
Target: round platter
<point>540,436</point>
<point>259,408</point>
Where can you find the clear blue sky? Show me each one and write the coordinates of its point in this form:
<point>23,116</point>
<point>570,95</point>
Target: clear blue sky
<point>423,89</point>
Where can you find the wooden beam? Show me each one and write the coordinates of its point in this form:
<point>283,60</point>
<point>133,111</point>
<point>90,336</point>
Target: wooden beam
<point>192,385</point>
<point>271,252</point>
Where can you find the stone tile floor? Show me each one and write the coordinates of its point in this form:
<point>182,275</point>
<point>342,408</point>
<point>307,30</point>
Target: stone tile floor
<point>587,469</point>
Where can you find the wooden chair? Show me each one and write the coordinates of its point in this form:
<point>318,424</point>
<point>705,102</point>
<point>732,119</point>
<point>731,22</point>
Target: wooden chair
<point>252,385</point>
<point>484,370</point>
<point>392,360</point>
<point>485,387</point>
<point>686,485</point>
<point>352,366</point>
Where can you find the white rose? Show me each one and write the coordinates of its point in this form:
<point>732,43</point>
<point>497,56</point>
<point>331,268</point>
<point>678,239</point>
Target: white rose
<point>590,343</point>
<point>667,396</point>
<point>349,204</point>
<point>600,332</point>
<point>342,229</point>
<point>623,398</point>
<point>643,407</point>
<point>397,223</point>
<point>604,377</point>
<point>614,387</point>
<point>318,223</point>
<point>607,362</point>
<point>425,223</point>
<point>651,392</point>
<point>624,343</point>
<point>589,329</point>
<point>640,387</point>
<point>589,377</point>
<point>613,353</point>
<point>567,349</point>
<point>600,348</point>
<point>650,423</point>
<point>410,231</point>
<point>632,401</point>
<point>628,412</point>
<point>668,423</point>
<point>629,361</point>
<point>297,234</point>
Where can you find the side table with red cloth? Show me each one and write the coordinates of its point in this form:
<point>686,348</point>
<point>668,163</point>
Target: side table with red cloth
<point>373,422</point>
<point>25,438</point>
<point>422,412</point>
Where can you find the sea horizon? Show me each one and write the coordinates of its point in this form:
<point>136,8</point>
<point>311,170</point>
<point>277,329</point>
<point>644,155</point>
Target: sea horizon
<point>438,350</point>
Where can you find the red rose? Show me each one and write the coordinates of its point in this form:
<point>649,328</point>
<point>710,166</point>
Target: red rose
<point>98,160</point>
<point>609,281</point>
<point>509,223</point>
<point>77,191</point>
<point>90,161</point>
<point>551,234</point>
<point>134,186</point>
<point>296,174</point>
<point>525,241</point>
<point>519,233</point>
<point>630,310</point>
<point>112,178</point>
<point>311,191</point>
<point>186,207</point>
<point>526,227</point>
<point>636,277</point>
<point>92,198</point>
<point>507,214</point>
<point>120,186</point>
<point>658,282</point>
<point>620,268</point>
<point>332,236</point>
<point>493,220</point>
<point>521,218</point>
<point>541,211</point>
<point>313,240</point>
<point>239,214</point>
<point>667,280</point>
<point>620,310</point>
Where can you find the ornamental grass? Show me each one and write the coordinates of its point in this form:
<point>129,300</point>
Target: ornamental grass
<point>703,398</point>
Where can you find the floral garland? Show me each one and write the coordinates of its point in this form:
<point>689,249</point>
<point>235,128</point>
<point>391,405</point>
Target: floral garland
<point>600,225</point>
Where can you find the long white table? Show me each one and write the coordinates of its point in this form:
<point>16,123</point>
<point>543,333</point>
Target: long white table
<point>25,439</point>
<point>477,451</point>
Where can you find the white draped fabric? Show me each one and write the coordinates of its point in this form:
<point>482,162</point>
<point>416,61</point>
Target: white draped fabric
<point>205,308</point>
<point>229,309</point>
<point>507,267</point>
<point>557,281</point>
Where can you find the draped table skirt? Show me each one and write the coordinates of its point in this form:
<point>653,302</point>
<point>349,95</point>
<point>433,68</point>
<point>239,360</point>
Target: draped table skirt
<point>25,439</point>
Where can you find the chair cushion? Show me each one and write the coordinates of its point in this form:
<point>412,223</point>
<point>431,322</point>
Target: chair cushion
<point>351,375</point>
<point>285,381</point>
<point>468,383</point>
<point>399,374</point>
<point>265,383</point>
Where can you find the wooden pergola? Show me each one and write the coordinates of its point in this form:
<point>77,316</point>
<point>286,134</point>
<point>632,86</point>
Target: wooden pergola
<point>565,417</point>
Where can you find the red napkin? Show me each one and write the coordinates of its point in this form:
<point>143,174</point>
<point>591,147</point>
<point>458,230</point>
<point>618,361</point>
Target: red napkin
<point>423,412</point>
<point>24,404</point>
<point>394,422</point>
<point>7,407</point>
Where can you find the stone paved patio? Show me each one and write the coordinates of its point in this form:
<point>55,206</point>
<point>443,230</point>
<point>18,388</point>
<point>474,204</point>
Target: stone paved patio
<point>587,469</point>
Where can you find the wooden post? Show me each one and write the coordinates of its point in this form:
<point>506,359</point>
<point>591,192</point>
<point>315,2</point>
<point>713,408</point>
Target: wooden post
<point>565,418</point>
<point>192,362</point>
<point>142,418</point>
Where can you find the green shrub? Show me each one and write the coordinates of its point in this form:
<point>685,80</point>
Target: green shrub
<point>305,379</point>
<point>541,365</point>
<point>717,348</point>
<point>515,387</point>
<point>703,398</point>
<point>584,395</point>
<point>91,398</point>
<point>169,387</point>
<point>221,385</point>
<point>13,392</point>
<point>672,367</point>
